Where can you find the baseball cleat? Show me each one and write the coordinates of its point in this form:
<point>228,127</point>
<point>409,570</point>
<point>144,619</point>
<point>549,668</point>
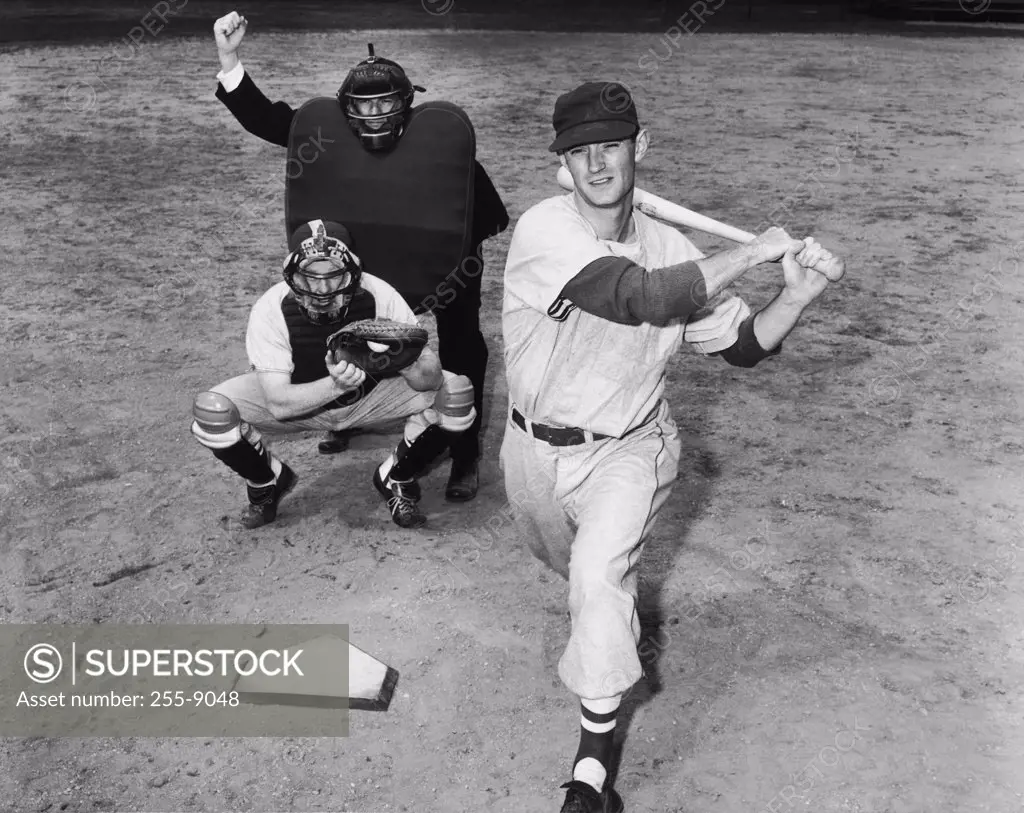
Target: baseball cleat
<point>263,501</point>
<point>582,798</point>
<point>401,497</point>
<point>463,482</point>
<point>334,443</point>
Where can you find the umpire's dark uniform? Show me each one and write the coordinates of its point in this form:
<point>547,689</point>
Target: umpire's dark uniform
<point>460,342</point>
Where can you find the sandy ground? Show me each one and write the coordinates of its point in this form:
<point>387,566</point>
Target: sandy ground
<point>832,596</point>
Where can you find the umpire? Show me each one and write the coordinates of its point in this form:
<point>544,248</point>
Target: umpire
<point>376,102</point>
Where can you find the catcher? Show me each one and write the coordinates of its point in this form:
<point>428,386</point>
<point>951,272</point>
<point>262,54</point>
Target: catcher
<point>332,348</point>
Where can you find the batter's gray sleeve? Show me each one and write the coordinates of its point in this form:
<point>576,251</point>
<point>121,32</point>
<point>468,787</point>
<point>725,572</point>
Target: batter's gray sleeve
<point>621,291</point>
<point>746,351</point>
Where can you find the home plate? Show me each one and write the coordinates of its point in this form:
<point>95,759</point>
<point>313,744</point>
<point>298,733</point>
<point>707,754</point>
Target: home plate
<point>324,662</point>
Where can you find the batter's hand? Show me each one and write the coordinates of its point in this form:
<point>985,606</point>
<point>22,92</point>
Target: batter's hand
<point>774,243</point>
<point>346,376</point>
<point>228,31</point>
<point>799,269</point>
<point>822,260</point>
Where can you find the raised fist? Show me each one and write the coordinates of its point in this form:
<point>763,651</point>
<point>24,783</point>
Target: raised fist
<point>228,32</point>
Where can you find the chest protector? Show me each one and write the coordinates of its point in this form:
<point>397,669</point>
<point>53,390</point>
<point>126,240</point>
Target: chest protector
<point>309,343</point>
<point>409,209</point>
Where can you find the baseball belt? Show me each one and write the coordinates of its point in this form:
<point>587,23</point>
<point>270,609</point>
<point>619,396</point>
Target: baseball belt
<point>555,435</point>
<point>569,435</point>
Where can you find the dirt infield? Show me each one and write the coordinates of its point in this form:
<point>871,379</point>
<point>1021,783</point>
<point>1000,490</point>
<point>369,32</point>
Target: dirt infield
<point>832,598</point>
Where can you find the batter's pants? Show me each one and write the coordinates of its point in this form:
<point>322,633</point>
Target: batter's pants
<point>586,511</point>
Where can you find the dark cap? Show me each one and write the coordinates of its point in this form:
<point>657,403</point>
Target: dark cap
<point>594,112</point>
<point>310,232</point>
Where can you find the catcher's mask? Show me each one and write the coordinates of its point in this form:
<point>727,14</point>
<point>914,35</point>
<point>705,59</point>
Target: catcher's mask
<point>322,270</point>
<point>376,98</point>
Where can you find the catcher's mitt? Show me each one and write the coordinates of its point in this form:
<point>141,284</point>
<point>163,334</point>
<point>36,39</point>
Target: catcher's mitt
<point>381,347</point>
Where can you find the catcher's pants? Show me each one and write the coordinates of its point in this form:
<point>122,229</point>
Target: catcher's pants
<point>586,511</point>
<point>391,400</point>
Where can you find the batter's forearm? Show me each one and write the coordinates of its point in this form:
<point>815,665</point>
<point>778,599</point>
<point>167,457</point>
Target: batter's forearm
<point>775,322</point>
<point>722,269</point>
<point>294,400</point>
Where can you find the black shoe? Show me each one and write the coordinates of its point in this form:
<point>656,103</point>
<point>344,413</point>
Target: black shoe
<point>463,482</point>
<point>401,497</point>
<point>263,501</point>
<point>334,443</point>
<point>582,798</point>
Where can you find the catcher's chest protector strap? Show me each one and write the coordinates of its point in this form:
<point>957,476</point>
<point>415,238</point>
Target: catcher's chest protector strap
<point>309,342</point>
<point>410,210</point>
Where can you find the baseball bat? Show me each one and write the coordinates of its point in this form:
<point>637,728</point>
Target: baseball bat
<point>661,209</point>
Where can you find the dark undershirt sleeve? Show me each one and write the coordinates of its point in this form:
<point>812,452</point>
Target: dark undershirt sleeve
<point>621,291</point>
<point>746,351</point>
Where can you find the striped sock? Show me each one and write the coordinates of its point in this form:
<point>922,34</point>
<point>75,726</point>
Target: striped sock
<point>251,459</point>
<point>597,732</point>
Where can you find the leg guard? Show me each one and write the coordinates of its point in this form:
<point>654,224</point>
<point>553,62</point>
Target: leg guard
<point>454,403</point>
<point>218,426</point>
<point>413,458</point>
<point>217,423</point>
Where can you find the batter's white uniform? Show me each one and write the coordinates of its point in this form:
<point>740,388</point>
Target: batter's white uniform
<point>587,510</point>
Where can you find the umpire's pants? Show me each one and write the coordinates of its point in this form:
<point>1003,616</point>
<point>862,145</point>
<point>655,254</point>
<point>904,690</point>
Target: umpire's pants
<point>462,348</point>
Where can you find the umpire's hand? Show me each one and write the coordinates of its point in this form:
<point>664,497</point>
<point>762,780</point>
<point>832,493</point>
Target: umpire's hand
<point>228,31</point>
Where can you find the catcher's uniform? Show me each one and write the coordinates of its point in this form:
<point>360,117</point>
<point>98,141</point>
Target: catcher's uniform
<point>280,339</point>
<point>590,450</point>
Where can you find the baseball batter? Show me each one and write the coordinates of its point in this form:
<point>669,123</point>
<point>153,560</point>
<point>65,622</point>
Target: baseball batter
<point>597,299</point>
<point>293,385</point>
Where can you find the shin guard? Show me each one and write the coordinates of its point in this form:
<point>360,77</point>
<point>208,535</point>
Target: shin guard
<point>413,458</point>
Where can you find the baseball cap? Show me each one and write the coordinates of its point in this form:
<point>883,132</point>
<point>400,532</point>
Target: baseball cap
<point>594,112</point>
<point>305,237</point>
